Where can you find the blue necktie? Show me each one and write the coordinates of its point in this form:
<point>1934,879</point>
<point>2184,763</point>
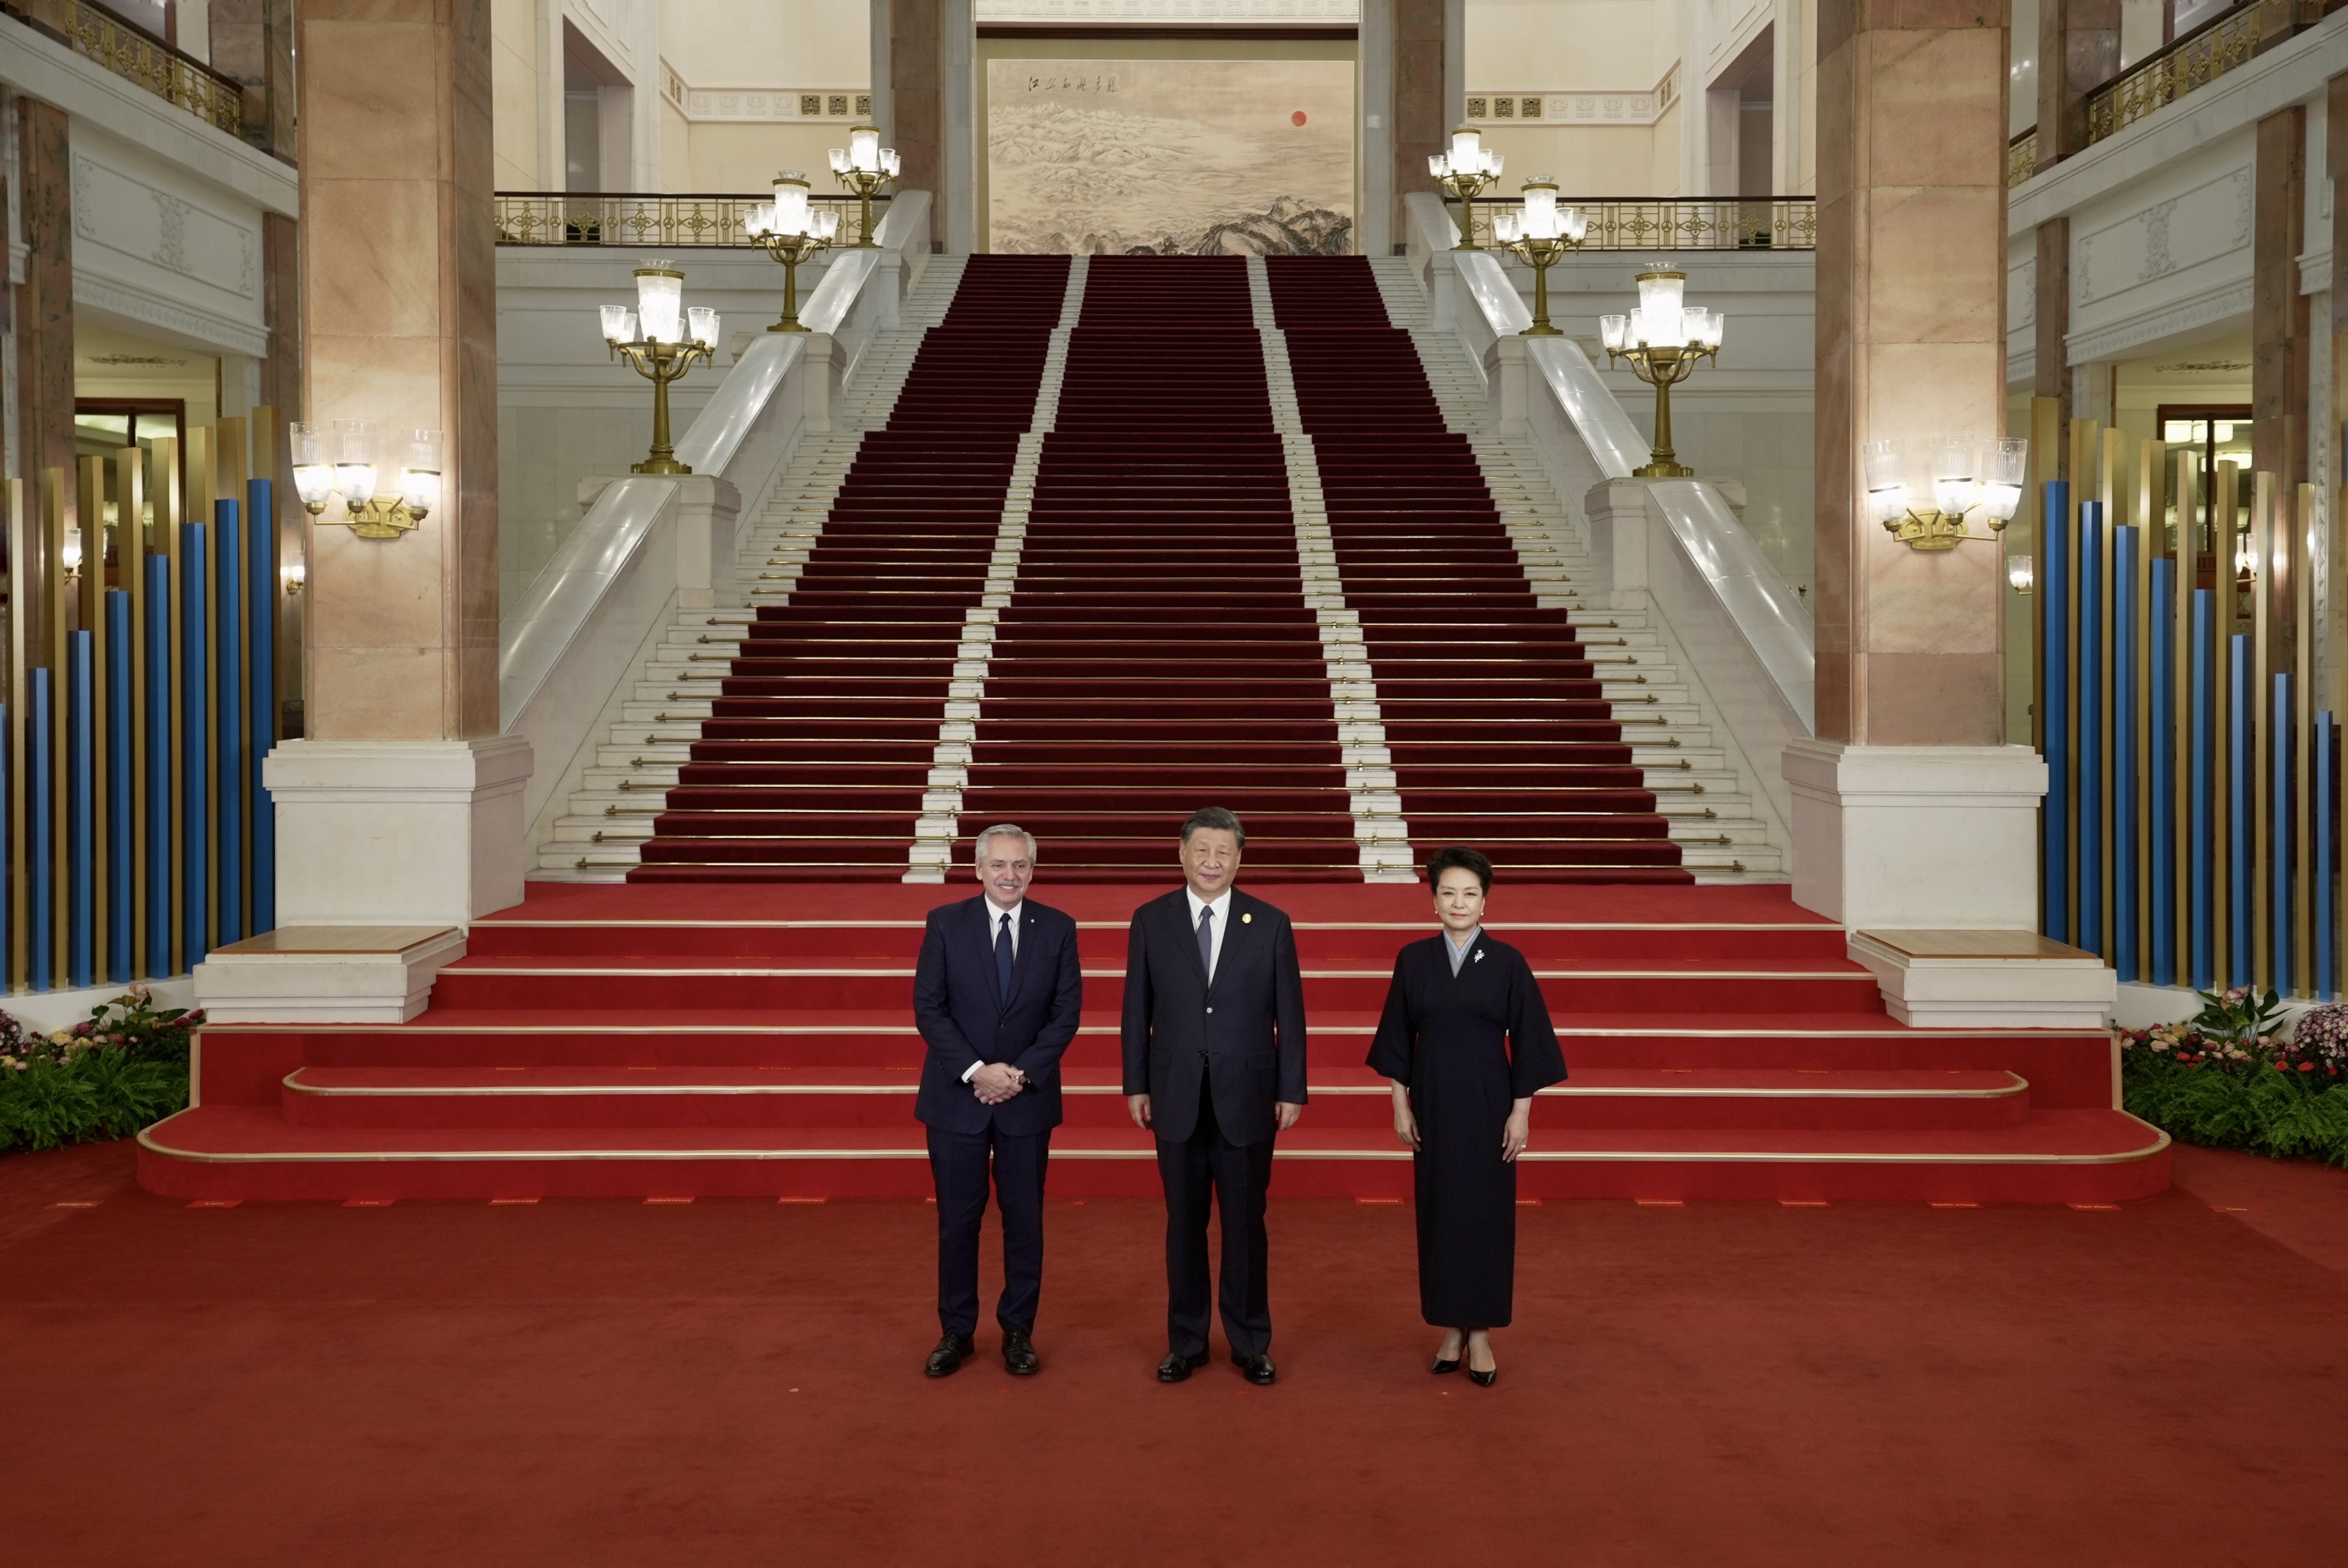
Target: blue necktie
<point>1003,960</point>
<point>1206,942</point>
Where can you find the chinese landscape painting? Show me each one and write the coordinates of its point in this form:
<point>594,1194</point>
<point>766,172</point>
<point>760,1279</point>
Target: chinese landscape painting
<point>1171,156</point>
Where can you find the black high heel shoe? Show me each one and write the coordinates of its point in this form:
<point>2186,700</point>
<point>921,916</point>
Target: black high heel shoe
<point>1483,1379</point>
<point>1442,1366</point>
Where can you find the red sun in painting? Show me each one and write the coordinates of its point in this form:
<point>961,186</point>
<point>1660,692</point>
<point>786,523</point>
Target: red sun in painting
<point>1296,118</point>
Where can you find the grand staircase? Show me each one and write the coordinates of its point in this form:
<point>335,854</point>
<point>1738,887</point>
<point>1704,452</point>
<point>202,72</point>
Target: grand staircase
<point>1104,543</point>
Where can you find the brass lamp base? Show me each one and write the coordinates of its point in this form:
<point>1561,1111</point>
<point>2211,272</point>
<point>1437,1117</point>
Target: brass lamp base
<point>659,465</point>
<point>385,518</point>
<point>1538,330</point>
<point>1663,471</point>
<point>787,327</point>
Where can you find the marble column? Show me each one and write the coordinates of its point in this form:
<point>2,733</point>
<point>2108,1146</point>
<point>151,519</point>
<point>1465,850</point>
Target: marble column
<point>914,101</point>
<point>1422,119</point>
<point>1375,229</point>
<point>2078,51</point>
<point>42,319</point>
<point>282,389</point>
<point>1907,810</point>
<point>2334,580</point>
<point>2279,324</point>
<point>403,806</point>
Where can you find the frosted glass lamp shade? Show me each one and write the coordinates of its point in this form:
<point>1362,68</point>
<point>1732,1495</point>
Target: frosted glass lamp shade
<point>1953,474</point>
<point>890,162</point>
<point>864,148</point>
<point>1466,150</point>
<point>1661,319</point>
<point>838,156</point>
<point>704,325</point>
<point>1572,223</point>
<point>759,220</point>
<point>1509,227</point>
<point>1541,217</point>
<point>354,462</point>
<point>1493,163</point>
<point>619,323</point>
<point>1886,466</point>
<point>1436,165</point>
<point>313,475</point>
<point>2009,462</point>
<point>1614,332</point>
<point>419,474</point>
<point>827,222</point>
<point>660,304</point>
<point>790,202</point>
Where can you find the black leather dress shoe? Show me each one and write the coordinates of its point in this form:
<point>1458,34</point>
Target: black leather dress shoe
<point>947,1359</point>
<point>1178,1366</point>
<point>1019,1354</point>
<point>1259,1368</point>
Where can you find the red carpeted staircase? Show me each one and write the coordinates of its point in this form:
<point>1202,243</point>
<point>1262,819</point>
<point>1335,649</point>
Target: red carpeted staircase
<point>1157,654</point>
<point>813,761</point>
<point>679,1041</point>
<point>1501,736</point>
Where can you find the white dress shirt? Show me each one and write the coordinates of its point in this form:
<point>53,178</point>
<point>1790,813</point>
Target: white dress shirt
<point>994,914</point>
<point>1223,909</point>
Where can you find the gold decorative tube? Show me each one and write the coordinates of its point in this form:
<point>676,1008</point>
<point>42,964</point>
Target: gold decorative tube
<point>2221,707</point>
<point>2147,540</point>
<point>131,529</point>
<point>93,621</point>
<point>235,467</point>
<point>2046,441</point>
<point>2305,871</point>
<point>205,441</point>
<point>2107,592</point>
<point>2083,446</point>
<point>2262,574</point>
<point>53,526</point>
<point>2181,649</point>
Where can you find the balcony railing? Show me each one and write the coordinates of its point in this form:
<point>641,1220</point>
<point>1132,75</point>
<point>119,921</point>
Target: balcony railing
<point>134,53</point>
<point>2197,59</point>
<point>2022,157</point>
<point>1672,223</point>
<point>669,222</point>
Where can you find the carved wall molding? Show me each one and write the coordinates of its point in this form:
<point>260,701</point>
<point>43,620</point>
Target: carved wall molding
<point>211,332</point>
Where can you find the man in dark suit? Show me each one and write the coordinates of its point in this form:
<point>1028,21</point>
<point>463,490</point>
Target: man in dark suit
<point>996,995</point>
<point>1214,1066</point>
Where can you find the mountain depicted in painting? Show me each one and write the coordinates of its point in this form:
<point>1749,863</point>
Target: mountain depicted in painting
<point>1171,156</point>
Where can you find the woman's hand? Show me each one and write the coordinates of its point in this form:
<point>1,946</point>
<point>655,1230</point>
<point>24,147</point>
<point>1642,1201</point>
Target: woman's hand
<point>1406,1124</point>
<point>1520,1129</point>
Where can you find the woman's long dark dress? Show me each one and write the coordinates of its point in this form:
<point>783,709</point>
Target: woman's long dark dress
<point>1468,1045</point>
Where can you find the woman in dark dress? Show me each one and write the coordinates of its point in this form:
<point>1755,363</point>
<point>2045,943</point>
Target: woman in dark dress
<point>1467,1039</point>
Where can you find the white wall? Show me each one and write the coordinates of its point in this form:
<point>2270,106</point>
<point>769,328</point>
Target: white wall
<point>1596,64</point>
<point>526,71</point>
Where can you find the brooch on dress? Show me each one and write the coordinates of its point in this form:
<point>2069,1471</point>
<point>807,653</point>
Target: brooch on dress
<point>1246,918</point>
<point>1479,955</point>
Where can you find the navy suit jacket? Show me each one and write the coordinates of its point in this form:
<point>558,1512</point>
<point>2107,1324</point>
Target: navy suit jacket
<point>1244,1034</point>
<point>964,1022</point>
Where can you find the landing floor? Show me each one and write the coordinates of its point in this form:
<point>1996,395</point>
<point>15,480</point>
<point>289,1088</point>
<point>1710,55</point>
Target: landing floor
<point>1725,1384</point>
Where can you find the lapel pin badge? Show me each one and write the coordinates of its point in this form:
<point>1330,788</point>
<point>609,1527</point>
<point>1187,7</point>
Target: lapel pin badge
<point>1246,918</point>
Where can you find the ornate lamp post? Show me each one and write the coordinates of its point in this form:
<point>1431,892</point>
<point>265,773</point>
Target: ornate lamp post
<point>1463,171</point>
<point>791,230</point>
<point>864,166</point>
<point>1662,340</point>
<point>1538,236</point>
<point>664,353</point>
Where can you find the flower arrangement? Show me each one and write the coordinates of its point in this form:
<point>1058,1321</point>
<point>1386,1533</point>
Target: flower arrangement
<point>2230,1076</point>
<point>118,1071</point>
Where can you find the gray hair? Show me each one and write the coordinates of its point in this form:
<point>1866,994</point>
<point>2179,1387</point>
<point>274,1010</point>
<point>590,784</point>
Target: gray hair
<point>1003,830</point>
<point>1216,818</point>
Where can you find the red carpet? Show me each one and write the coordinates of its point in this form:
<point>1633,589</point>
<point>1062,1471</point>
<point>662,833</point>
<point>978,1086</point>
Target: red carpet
<point>698,1040</point>
<point>1729,1385</point>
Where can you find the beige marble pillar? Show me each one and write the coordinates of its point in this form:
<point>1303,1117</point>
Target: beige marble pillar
<point>1422,120</point>
<point>44,320</point>
<point>2278,313</point>
<point>403,806</point>
<point>916,106</point>
<point>1908,810</point>
<point>2078,51</point>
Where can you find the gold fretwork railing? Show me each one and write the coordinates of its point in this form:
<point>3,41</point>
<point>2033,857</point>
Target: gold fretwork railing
<point>1671,223</point>
<point>2198,58</point>
<point>2022,157</point>
<point>136,55</point>
<point>666,221</point>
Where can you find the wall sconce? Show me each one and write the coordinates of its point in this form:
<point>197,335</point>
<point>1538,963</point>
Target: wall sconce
<point>792,230</point>
<point>664,352</point>
<point>2246,557</point>
<point>69,554</point>
<point>1662,340</point>
<point>354,471</point>
<point>291,577</point>
<point>1463,171</point>
<point>864,166</point>
<point>2021,574</point>
<point>1951,468</point>
<point>1538,235</point>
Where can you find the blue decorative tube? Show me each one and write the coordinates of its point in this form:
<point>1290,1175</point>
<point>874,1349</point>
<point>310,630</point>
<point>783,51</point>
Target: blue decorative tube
<point>2202,827</point>
<point>2055,712</point>
<point>2092,915</point>
<point>40,831</point>
<point>2242,803</point>
<point>81,809</point>
<point>9,780</point>
<point>227,747</point>
<point>2282,840</point>
<point>2160,872</point>
<point>261,599</point>
<point>2127,781</point>
<point>2321,818</point>
<point>195,754</point>
<point>160,913</point>
<point>119,963</point>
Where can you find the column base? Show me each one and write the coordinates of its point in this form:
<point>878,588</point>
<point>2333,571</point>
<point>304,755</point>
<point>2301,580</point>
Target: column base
<point>1917,837</point>
<point>397,833</point>
<point>1986,979</point>
<point>327,974</point>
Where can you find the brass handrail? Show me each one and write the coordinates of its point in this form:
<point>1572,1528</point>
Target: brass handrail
<point>2197,59</point>
<point>608,218</point>
<point>134,53</point>
<point>1679,223</point>
<point>2022,157</point>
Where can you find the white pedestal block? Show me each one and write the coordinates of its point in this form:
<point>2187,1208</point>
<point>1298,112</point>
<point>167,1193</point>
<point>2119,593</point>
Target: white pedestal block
<point>1986,979</point>
<point>1941,837</point>
<point>327,974</point>
<point>397,833</point>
